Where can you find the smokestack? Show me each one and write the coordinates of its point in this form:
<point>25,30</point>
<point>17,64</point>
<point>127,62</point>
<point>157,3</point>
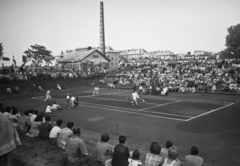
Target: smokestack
<point>102,34</point>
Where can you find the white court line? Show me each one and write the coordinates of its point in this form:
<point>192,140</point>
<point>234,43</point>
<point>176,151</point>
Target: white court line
<point>137,113</point>
<point>209,112</point>
<point>159,105</point>
<point>189,100</point>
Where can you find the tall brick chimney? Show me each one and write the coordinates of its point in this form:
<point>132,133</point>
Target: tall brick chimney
<point>102,33</point>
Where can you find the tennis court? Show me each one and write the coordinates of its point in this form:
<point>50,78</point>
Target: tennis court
<point>179,109</point>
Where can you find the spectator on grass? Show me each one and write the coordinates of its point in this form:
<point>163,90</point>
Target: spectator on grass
<point>64,134</point>
<point>76,152</point>
<point>16,89</point>
<point>8,91</point>
<point>135,159</point>
<point>7,112</point>
<point>153,158</point>
<point>104,150</point>
<point>24,122</point>
<point>121,153</point>
<point>164,151</point>
<point>14,116</point>
<point>56,129</point>
<point>172,158</point>
<point>55,107</point>
<point>45,128</point>
<point>34,114</point>
<point>34,130</point>
<point>193,159</point>
<point>48,110</point>
<point>9,140</point>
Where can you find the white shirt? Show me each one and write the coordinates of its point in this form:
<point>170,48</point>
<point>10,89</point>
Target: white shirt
<point>54,106</point>
<point>73,98</point>
<point>32,118</point>
<point>48,92</point>
<point>55,132</point>
<point>96,89</point>
<point>68,97</point>
<point>135,96</point>
<point>48,109</point>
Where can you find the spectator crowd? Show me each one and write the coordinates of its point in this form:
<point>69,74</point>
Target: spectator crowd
<point>37,124</point>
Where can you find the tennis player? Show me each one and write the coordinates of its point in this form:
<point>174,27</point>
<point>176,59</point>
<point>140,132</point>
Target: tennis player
<point>134,97</point>
<point>48,97</point>
<point>95,91</point>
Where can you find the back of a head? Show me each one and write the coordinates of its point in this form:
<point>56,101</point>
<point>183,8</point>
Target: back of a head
<point>122,139</point>
<point>14,111</point>
<point>26,112</point>
<point>77,131</point>
<point>39,118</point>
<point>59,122</point>
<point>70,125</point>
<point>173,152</point>
<point>169,144</point>
<point>194,150</point>
<point>36,112</point>
<point>155,148</point>
<point>48,118</point>
<point>105,137</point>
<point>135,155</point>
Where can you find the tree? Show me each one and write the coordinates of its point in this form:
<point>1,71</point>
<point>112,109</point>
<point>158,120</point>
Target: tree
<point>1,51</point>
<point>38,54</point>
<point>233,40</point>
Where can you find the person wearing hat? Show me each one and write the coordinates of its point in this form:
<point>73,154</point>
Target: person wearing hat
<point>172,158</point>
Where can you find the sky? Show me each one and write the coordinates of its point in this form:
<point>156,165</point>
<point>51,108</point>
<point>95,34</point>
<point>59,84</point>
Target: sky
<point>59,25</point>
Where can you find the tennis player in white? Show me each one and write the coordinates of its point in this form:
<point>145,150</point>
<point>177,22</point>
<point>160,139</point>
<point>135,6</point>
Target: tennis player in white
<point>134,98</point>
<point>48,97</point>
<point>95,91</point>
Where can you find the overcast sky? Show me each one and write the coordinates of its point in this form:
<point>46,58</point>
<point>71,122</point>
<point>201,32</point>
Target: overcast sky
<point>60,25</point>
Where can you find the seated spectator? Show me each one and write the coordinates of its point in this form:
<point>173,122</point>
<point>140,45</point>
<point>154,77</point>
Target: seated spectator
<point>9,140</point>
<point>76,153</point>
<point>56,129</point>
<point>135,159</point>
<point>172,158</point>
<point>153,158</point>
<point>55,107</point>
<point>16,89</point>
<point>48,110</point>
<point>7,111</point>
<point>14,117</point>
<point>40,88</point>
<point>33,114</point>
<point>213,88</point>
<point>140,89</point>
<point>64,86</point>
<point>164,151</point>
<point>76,102</point>
<point>9,91</point>
<point>64,134</point>
<point>24,122</point>
<point>104,150</point>
<point>34,130</point>
<point>45,128</point>
<point>59,87</point>
<point>193,159</point>
<point>121,153</point>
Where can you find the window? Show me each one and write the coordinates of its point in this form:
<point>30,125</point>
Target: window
<point>95,56</point>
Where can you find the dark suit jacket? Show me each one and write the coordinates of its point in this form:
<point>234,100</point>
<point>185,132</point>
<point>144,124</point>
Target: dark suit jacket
<point>120,155</point>
<point>44,130</point>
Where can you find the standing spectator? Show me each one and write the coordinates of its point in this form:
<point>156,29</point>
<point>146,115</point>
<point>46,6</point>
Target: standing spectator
<point>64,134</point>
<point>104,149</point>
<point>153,158</point>
<point>72,99</point>
<point>56,129</point>
<point>24,122</point>
<point>76,152</point>
<point>172,158</point>
<point>134,160</point>
<point>45,128</point>
<point>9,140</point>
<point>121,153</point>
<point>193,159</point>
<point>164,151</point>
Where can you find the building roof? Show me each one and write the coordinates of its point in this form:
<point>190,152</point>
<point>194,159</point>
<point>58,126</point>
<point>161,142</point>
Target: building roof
<point>79,54</point>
